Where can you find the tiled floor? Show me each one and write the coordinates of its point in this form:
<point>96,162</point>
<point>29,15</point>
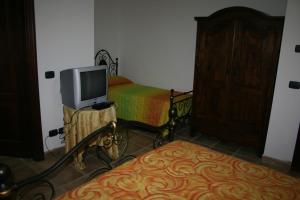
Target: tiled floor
<point>139,142</point>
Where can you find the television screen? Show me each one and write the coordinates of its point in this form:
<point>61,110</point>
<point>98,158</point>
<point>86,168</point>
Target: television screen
<point>93,84</point>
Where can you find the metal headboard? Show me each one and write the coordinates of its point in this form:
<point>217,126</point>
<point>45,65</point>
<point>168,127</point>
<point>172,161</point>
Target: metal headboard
<point>103,58</point>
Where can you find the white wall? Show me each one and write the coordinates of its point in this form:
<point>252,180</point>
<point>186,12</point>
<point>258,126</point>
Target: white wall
<point>107,34</point>
<point>285,116</point>
<point>158,38</point>
<point>65,39</point>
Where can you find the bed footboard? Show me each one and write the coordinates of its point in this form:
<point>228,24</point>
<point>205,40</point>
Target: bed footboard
<point>180,112</point>
<point>38,186</point>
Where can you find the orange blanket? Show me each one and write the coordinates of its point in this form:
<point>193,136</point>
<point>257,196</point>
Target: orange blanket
<point>181,170</point>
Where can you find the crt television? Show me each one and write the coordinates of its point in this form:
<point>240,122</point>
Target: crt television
<point>83,86</point>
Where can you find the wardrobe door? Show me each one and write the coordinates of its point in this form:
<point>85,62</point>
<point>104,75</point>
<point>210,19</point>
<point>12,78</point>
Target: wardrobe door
<point>20,121</point>
<point>235,68</point>
<point>214,40</point>
<point>253,71</point>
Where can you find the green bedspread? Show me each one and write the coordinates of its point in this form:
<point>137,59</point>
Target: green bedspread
<point>141,103</point>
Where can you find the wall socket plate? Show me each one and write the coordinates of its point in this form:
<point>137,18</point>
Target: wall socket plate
<point>61,130</point>
<point>297,48</point>
<point>294,85</point>
<point>49,74</point>
<point>53,132</point>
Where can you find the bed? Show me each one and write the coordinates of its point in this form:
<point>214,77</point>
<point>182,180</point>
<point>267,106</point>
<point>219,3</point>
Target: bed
<point>176,170</point>
<point>182,170</point>
<point>154,109</point>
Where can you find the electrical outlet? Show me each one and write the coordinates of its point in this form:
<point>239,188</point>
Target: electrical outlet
<point>297,48</point>
<point>53,132</point>
<point>61,130</point>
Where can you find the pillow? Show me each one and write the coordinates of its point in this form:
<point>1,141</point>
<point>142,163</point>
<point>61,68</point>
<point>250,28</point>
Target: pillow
<point>118,80</point>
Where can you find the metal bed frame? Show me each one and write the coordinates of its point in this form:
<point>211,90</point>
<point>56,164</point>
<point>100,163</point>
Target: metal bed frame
<point>38,187</point>
<point>177,104</point>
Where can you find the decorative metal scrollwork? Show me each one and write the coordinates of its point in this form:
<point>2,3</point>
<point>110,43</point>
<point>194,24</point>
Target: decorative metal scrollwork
<point>38,187</point>
<point>40,190</point>
<point>118,138</point>
<point>184,108</point>
<point>103,58</point>
<point>180,110</point>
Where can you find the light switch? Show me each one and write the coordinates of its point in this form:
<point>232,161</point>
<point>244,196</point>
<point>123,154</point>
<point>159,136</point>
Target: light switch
<point>49,74</point>
<point>294,85</point>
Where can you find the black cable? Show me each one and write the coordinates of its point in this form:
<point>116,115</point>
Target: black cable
<point>73,116</point>
<point>47,148</point>
<point>62,136</point>
<point>70,122</point>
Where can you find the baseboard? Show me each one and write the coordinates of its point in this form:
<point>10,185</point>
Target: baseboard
<point>281,165</point>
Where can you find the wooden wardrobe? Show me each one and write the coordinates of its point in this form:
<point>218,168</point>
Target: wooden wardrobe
<point>236,61</point>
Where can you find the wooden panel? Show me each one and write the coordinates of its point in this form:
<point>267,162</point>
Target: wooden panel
<point>252,79</point>
<point>235,69</point>
<point>296,158</point>
<point>208,106</point>
<point>19,99</point>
